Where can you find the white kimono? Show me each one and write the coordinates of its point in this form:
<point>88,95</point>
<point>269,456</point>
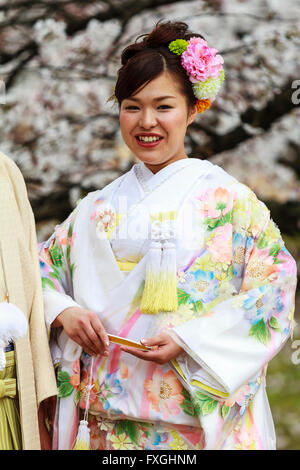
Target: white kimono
<point>235,286</point>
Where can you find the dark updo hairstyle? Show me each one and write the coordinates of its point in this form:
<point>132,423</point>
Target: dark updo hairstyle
<point>146,59</point>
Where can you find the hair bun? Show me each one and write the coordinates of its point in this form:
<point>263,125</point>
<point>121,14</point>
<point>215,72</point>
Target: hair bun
<point>161,36</point>
<point>166,32</point>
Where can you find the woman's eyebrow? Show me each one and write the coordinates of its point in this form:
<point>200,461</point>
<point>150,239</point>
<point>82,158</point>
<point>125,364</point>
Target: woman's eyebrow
<point>159,98</point>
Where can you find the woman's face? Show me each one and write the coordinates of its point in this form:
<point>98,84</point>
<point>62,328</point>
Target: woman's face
<point>154,122</point>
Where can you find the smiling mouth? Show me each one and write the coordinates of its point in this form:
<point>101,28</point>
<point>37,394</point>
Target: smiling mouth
<point>148,141</point>
<point>150,138</point>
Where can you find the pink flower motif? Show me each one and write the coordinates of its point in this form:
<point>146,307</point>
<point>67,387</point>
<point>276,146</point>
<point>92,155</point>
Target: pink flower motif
<point>216,202</point>
<point>220,244</point>
<point>260,269</point>
<point>200,61</point>
<point>61,234</point>
<point>164,392</point>
<point>238,396</point>
<point>288,262</point>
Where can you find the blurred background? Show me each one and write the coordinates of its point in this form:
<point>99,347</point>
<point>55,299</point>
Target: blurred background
<point>58,64</point>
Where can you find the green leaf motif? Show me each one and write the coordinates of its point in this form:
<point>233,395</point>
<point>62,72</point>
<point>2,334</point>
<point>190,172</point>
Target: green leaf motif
<point>72,269</point>
<point>63,376</point>
<point>70,231</point>
<point>182,296</point>
<point>212,223</point>
<point>221,206</point>
<point>230,273</point>
<point>224,219</point>
<point>187,404</point>
<point>146,428</point>
<point>198,306</point>
<point>56,255</point>
<point>77,397</point>
<point>68,253</point>
<point>262,241</point>
<point>261,332</point>
<point>273,322</point>
<point>203,404</point>
<point>209,407</point>
<point>224,411</point>
<point>55,273</point>
<point>130,428</point>
<point>48,283</point>
<point>275,249</point>
<point>227,218</point>
<point>65,388</point>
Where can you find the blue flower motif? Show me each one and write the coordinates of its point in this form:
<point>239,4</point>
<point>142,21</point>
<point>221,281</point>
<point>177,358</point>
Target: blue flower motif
<point>259,304</point>
<point>279,304</point>
<point>245,401</point>
<point>155,439</point>
<point>239,250</point>
<point>249,243</point>
<point>238,240</point>
<point>109,388</point>
<point>286,333</point>
<point>201,285</point>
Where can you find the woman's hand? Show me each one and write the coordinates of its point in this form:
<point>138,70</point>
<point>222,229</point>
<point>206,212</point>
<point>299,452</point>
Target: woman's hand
<point>85,328</point>
<point>163,349</point>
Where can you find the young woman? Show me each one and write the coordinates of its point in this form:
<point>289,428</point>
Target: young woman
<point>176,254</point>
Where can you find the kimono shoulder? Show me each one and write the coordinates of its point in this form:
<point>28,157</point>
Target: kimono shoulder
<point>227,195</point>
<point>104,193</point>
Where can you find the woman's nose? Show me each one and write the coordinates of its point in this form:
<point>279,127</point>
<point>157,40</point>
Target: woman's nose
<point>147,119</point>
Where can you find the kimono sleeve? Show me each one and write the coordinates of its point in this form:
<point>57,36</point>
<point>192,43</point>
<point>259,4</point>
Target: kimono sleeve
<point>57,270</point>
<point>229,344</point>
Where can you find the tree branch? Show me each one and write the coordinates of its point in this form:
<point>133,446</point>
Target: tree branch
<point>264,118</point>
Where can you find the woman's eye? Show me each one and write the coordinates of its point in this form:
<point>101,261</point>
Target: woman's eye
<point>164,106</point>
<point>131,107</point>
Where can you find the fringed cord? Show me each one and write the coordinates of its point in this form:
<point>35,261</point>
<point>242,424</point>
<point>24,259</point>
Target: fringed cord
<point>89,391</point>
<point>83,435</point>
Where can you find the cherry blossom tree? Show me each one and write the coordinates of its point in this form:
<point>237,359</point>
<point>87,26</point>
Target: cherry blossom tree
<point>59,60</point>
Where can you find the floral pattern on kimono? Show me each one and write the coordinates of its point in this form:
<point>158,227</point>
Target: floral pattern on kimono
<point>235,312</point>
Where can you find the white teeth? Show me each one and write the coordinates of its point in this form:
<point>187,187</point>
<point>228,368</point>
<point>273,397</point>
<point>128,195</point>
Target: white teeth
<point>144,138</point>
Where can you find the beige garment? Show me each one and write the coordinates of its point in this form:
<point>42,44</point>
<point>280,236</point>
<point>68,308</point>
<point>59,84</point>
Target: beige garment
<point>35,374</point>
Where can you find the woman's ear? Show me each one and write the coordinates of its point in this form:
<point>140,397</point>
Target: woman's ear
<point>192,114</point>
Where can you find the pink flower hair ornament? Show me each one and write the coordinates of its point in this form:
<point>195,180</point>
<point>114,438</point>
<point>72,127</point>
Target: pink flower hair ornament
<point>204,67</point>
